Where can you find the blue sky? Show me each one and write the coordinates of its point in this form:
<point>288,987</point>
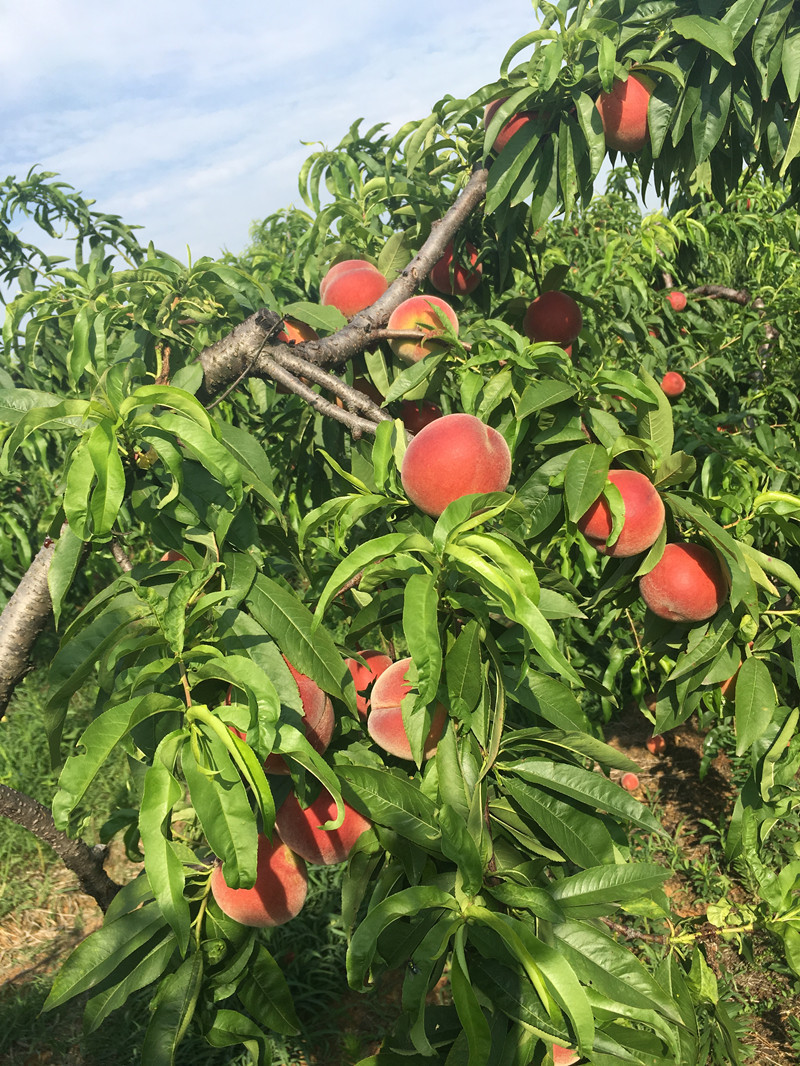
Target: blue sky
<point>187,117</point>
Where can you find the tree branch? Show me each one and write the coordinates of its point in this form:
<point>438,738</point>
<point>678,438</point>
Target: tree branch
<point>228,358</point>
<point>85,862</point>
<point>23,619</point>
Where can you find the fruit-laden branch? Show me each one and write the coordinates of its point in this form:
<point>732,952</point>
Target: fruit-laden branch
<point>85,862</point>
<point>229,357</point>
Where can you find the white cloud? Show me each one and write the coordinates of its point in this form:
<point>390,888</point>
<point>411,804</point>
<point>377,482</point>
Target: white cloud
<point>186,117</point>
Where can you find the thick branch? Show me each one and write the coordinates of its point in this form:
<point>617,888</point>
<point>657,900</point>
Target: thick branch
<point>85,862</point>
<point>229,357</point>
<point>23,618</point>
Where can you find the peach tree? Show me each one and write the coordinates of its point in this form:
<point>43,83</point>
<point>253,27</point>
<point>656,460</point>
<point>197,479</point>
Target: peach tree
<point>226,509</point>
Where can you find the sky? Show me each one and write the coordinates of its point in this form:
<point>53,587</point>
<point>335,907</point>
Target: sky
<point>187,117</point>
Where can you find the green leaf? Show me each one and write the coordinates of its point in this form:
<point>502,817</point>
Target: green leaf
<point>394,802</point>
<point>223,808</point>
<point>231,1027</point>
<point>709,32</point>
<point>470,1015</point>
<point>544,393</point>
<point>109,490</point>
<point>79,354</point>
<point>585,478</point>
<point>265,994</point>
<point>755,703</point>
<point>173,1009</point>
<point>148,968</point>
<point>601,889</point>
<point>66,559</point>
<point>404,904</point>
<point>164,870</point>
<point>655,422</point>
<point>306,644</point>
<point>587,787</point>
<point>611,968</point>
<point>99,739</point>
<point>459,847</point>
<point>104,952</point>
<point>581,837</point>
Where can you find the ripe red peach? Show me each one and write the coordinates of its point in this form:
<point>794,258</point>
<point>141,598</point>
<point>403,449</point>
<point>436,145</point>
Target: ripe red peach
<point>454,279</point>
<point>507,131</point>
<point>673,384</point>
<point>300,829</point>
<point>385,720</point>
<point>364,675</point>
<point>728,686</point>
<point>644,516</point>
<point>351,286</point>
<point>656,744</point>
<point>416,415</point>
<point>172,556</point>
<point>297,332</point>
<point>623,112</point>
<point>417,313</point>
<point>553,316</point>
<point>318,719</point>
<point>452,457</point>
<point>687,584</point>
<point>278,894</point>
<point>677,300</point>
<point>630,782</point>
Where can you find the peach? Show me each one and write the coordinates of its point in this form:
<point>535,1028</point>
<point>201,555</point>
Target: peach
<point>351,286</point>
<point>415,416</point>
<point>644,516</point>
<point>297,332</point>
<point>687,584</point>
<point>385,721</point>
<point>677,300</point>
<point>173,557</point>
<point>364,675</point>
<point>417,313</point>
<point>300,829</point>
<point>453,279</point>
<point>672,384</point>
<point>453,456</point>
<point>728,687</point>
<point>278,894</point>
<point>563,1056</point>
<point>656,744</point>
<point>318,719</point>
<point>630,782</point>
<point>624,112</point>
<point>553,316</point>
<point>515,123</point>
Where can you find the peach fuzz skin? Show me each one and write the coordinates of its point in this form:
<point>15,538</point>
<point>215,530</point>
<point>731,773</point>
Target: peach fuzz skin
<point>416,313</point>
<point>624,113</point>
<point>364,675</point>
<point>278,894</point>
<point>687,584</point>
<point>318,721</point>
<point>672,384</point>
<point>457,280</point>
<point>300,829</point>
<point>385,721</point>
<point>351,286</point>
<point>644,516</point>
<point>677,300</point>
<point>553,316</point>
<point>452,457</point>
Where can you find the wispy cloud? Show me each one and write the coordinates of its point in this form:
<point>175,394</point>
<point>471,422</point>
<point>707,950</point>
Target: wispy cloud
<point>187,117</point>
